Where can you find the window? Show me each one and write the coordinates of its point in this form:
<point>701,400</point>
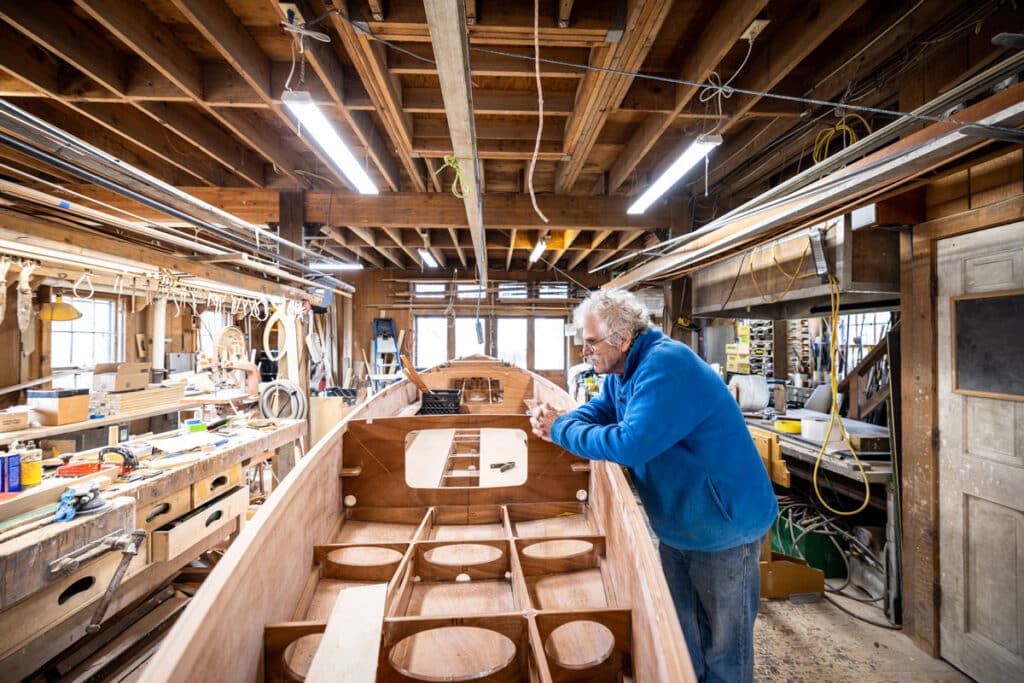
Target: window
<point>211,323</point>
<point>858,334</point>
<point>93,338</point>
<point>512,340</point>
<point>512,290</point>
<point>548,344</point>
<point>473,291</point>
<point>466,341</point>
<point>431,341</point>
<point>429,290</point>
<point>553,290</point>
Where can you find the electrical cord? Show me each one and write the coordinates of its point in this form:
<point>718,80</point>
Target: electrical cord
<point>825,136</point>
<point>792,278</point>
<point>834,296</point>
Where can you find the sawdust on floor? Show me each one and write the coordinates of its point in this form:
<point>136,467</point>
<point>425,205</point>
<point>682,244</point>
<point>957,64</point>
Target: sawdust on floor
<point>818,643</point>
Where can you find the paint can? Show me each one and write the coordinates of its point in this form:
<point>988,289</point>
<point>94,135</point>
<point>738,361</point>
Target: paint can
<point>31,467</point>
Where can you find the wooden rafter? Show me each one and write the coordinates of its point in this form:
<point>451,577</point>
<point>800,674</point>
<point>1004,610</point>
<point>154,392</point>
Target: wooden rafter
<point>865,54</point>
<point>435,184</point>
<point>595,242</point>
<point>383,88</point>
<point>328,67</point>
<point>563,12</point>
<point>370,237</point>
<point>602,91</point>
<point>364,254</point>
<point>722,32</point>
<point>598,258</point>
<point>567,241</point>
<point>48,29</point>
<point>447,22</point>
<point>485,64</point>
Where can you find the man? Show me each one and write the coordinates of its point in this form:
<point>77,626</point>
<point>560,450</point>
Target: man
<point>669,418</point>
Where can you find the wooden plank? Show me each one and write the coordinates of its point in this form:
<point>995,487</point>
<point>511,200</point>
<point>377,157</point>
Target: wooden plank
<point>449,37</point>
<point>722,32</point>
<point>349,649</point>
<point>485,64</point>
<point>501,211</point>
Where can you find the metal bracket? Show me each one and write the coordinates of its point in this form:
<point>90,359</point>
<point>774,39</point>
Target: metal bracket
<point>130,548</point>
<point>821,264</point>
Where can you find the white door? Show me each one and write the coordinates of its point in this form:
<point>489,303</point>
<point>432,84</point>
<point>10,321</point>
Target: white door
<point>981,477</point>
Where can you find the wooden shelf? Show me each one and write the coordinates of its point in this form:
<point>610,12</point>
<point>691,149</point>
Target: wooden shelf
<point>7,438</point>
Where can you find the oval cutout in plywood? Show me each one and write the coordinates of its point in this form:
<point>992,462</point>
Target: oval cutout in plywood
<point>452,653</point>
<point>364,556</point>
<point>462,554</point>
<point>562,548</point>
<point>298,656</point>
<point>580,644</point>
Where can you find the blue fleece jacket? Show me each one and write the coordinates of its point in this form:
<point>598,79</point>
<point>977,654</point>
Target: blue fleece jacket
<point>672,421</point>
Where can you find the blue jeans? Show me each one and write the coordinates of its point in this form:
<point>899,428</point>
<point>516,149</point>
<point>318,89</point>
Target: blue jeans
<point>716,596</point>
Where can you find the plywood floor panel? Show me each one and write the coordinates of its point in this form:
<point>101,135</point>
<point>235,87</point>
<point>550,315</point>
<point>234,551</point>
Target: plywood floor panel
<point>571,590</point>
<point>471,597</point>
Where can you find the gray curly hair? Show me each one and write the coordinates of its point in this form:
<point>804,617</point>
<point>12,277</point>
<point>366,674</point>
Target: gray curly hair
<point>621,315</point>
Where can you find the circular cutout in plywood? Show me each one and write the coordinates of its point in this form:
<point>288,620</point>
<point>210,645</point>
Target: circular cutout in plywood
<point>452,653</point>
<point>462,554</point>
<point>563,548</point>
<point>298,656</point>
<point>364,556</point>
<point>580,644</point>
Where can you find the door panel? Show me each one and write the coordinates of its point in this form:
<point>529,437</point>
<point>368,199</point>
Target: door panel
<point>981,478</point>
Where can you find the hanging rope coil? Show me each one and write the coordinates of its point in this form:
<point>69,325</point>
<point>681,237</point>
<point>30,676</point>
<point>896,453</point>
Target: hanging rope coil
<point>459,182</point>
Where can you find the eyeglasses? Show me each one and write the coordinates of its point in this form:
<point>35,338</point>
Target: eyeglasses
<point>591,343</point>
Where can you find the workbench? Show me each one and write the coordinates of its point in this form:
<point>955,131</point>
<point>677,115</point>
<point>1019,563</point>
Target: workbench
<point>193,504</point>
<point>837,458</point>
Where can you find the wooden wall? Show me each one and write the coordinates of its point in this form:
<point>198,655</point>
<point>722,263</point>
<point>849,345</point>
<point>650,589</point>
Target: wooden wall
<point>983,194</point>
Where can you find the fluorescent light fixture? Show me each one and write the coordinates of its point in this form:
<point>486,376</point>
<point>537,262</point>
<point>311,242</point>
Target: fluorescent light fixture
<point>538,249</point>
<point>687,160</point>
<point>428,259</point>
<point>335,265</point>
<point>36,252</point>
<point>313,120</point>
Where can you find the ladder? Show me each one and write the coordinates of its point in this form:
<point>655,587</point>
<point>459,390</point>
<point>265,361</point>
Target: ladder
<point>386,361</point>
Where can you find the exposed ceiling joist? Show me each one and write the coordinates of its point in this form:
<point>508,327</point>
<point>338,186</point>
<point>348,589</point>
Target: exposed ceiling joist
<point>447,22</point>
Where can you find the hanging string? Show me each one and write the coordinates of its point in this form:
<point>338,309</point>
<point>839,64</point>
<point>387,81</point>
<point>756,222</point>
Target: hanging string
<point>540,109</point>
<point>459,182</point>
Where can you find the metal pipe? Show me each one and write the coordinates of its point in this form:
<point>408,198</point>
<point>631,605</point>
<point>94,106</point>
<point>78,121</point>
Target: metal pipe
<point>91,177</point>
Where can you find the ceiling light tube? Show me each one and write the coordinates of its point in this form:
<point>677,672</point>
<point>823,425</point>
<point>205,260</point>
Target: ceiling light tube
<point>335,265</point>
<point>324,134</point>
<point>428,259</point>
<point>687,160</point>
<point>538,250</point>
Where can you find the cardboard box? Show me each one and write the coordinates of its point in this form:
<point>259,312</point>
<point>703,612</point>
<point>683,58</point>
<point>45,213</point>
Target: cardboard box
<point>737,364</point>
<point>741,349</point>
<point>743,330</point>
<point>59,407</point>
<point>115,377</point>
<point>14,419</point>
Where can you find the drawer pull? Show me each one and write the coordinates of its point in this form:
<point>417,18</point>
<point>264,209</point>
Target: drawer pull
<point>219,481</point>
<point>157,510</point>
<point>214,517</point>
<point>80,586</point>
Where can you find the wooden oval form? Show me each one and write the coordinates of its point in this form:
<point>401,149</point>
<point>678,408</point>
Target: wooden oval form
<point>460,554</point>
<point>299,654</point>
<point>580,644</point>
<point>364,556</point>
<point>570,547</point>
<point>452,653</point>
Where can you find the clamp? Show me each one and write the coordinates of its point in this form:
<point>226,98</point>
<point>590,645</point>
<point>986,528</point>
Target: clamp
<point>129,461</point>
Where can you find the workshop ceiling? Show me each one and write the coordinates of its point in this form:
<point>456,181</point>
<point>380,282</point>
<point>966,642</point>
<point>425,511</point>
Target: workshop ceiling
<point>189,91</point>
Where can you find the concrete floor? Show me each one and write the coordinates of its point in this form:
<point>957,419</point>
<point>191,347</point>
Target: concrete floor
<point>818,643</point>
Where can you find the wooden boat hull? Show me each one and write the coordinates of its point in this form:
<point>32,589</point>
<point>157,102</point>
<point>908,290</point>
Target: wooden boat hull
<point>555,579</point>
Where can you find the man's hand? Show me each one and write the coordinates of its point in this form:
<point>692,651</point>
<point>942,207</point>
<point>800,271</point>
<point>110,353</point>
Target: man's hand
<point>544,416</point>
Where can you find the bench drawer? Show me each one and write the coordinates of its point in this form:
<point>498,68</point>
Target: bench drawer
<point>211,487</point>
<point>227,511</point>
